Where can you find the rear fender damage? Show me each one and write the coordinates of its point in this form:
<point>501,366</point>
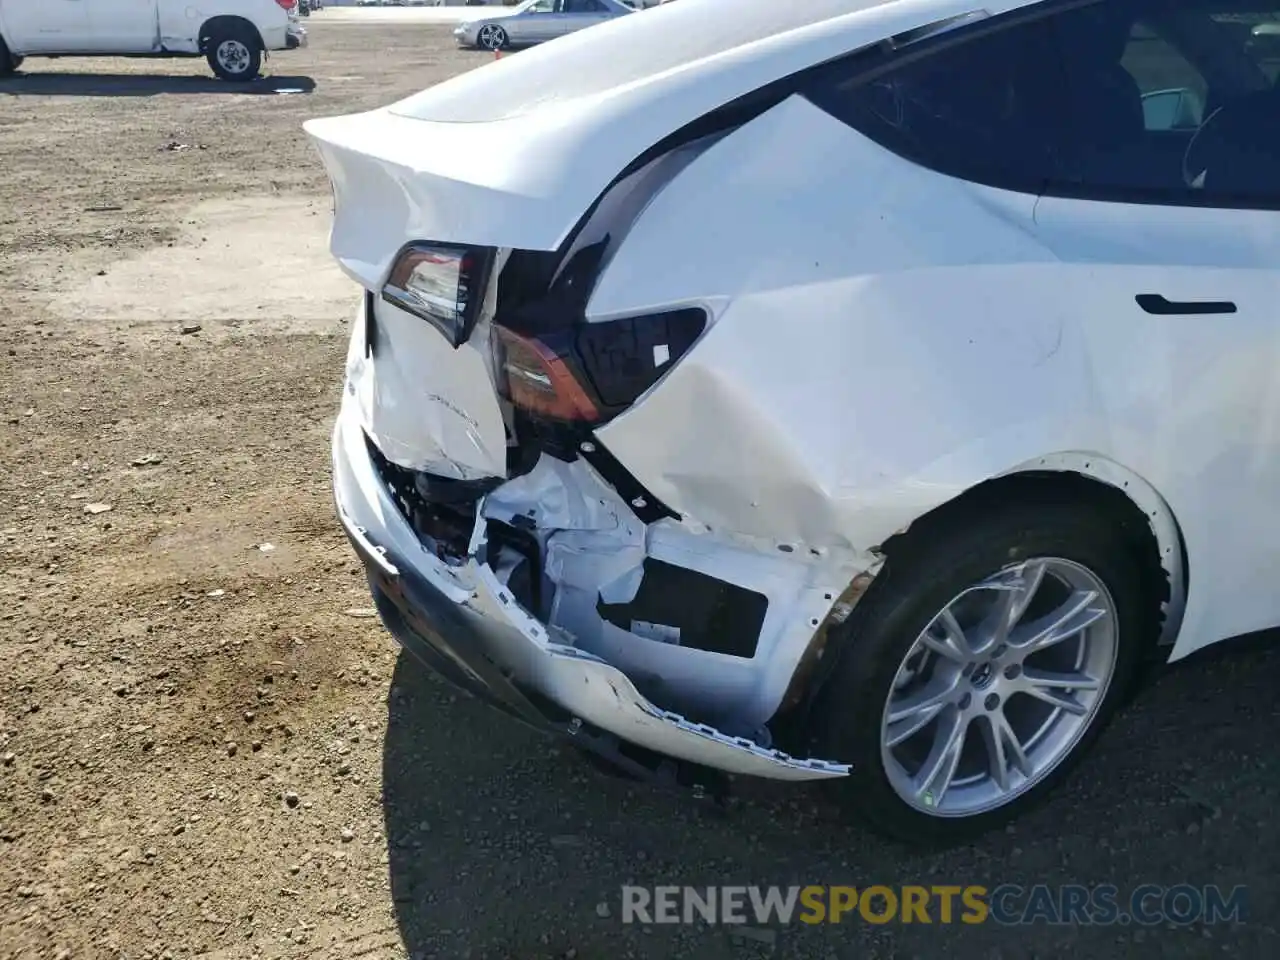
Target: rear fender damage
<point>478,588</point>
<point>771,518</point>
<point>620,614</point>
<point>712,626</point>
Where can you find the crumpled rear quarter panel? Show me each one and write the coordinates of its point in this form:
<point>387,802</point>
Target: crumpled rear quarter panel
<point>864,364</point>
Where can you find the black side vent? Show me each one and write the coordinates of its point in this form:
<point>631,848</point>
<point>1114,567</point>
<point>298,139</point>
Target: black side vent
<point>624,358</point>
<point>690,609</point>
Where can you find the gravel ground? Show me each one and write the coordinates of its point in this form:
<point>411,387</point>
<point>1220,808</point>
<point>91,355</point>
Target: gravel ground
<point>207,746</point>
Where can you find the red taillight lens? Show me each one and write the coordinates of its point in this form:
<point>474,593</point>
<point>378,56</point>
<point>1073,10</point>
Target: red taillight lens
<point>287,4</point>
<point>538,381</point>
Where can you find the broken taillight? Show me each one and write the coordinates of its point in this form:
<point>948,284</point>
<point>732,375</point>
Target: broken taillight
<point>535,379</point>
<point>590,372</point>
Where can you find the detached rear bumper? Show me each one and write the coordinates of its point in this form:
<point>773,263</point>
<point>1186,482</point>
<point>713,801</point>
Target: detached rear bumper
<point>463,622</point>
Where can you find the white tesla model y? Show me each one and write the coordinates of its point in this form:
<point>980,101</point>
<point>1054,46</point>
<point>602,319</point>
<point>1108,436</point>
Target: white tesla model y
<point>840,390</point>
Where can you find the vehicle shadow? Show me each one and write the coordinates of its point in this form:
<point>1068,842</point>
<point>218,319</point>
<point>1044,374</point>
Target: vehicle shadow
<point>143,85</point>
<point>504,844</point>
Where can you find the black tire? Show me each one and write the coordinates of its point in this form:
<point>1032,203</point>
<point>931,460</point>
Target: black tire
<point>235,55</point>
<point>920,578</point>
<point>8,62</point>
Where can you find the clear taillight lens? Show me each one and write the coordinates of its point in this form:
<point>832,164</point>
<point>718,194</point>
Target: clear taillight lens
<point>443,285</point>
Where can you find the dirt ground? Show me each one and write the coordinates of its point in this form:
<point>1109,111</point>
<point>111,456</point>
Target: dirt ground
<point>208,748</point>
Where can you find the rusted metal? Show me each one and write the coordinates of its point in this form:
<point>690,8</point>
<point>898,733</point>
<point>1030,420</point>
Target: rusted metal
<point>841,608</point>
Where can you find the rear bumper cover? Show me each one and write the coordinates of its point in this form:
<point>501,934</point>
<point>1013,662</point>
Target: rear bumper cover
<point>462,622</point>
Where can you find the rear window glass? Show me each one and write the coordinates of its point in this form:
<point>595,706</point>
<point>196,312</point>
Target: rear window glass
<point>990,109</point>
<point>1156,101</point>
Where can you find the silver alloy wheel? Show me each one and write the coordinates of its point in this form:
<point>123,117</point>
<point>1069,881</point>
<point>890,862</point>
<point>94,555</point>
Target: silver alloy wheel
<point>999,688</point>
<point>233,56</point>
<point>492,37</point>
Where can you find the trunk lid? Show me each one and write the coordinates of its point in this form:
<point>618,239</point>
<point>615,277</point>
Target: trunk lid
<point>514,153</point>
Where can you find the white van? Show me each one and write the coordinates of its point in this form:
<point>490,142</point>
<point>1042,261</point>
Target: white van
<point>233,35</point>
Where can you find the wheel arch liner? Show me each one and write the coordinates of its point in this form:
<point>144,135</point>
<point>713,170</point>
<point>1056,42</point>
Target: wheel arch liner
<point>1159,516</point>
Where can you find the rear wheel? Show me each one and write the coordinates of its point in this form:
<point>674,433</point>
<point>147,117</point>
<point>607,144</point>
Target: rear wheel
<point>983,663</point>
<point>235,55</point>
<point>8,61</point>
<point>492,37</point>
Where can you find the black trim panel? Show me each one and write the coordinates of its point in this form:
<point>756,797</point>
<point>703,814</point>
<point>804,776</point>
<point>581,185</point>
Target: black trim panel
<point>647,508</point>
<point>370,326</point>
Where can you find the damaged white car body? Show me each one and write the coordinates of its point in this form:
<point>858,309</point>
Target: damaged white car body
<point>679,408</point>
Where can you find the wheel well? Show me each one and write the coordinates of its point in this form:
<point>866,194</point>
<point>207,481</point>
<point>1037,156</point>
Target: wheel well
<point>1149,527</point>
<point>1051,486</point>
<point>220,26</point>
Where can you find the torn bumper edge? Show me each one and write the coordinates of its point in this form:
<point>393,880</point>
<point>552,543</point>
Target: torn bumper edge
<point>463,623</point>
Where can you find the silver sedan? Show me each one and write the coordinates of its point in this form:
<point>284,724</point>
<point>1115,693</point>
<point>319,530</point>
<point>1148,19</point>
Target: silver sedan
<point>536,21</point>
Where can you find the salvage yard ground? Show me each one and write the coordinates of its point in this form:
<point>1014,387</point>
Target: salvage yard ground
<point>207,745</point>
